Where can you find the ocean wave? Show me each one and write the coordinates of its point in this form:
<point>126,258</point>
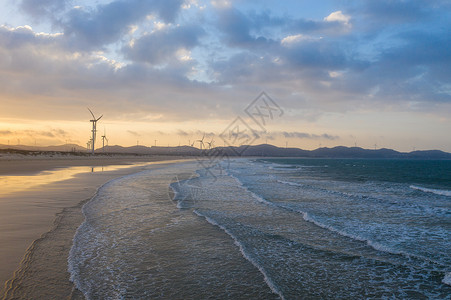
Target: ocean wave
<point>375,245</point>
<point>268,281</point>
<point>447,279</point>
<point>308,218</point>
<point>434,191</point>
<point>254,195</point>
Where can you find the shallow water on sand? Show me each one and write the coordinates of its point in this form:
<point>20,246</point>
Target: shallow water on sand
<point>135,243</point>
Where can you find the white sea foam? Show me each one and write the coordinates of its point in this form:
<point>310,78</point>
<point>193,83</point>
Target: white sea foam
<point>308,218</point>
<point>268,281</point>
<point>254,195</point>
<point>79,239</point>
<point>290,183</point>
<point>447,279</point>
<point>434,191</point>
<point>280,167</point>
<point>375,245</point>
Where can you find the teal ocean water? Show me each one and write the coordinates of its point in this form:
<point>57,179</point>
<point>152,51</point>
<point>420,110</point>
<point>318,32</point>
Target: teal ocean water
<point>268,229</point>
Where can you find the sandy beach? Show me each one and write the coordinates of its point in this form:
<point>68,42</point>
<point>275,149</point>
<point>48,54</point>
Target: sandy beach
<point>41,197</point>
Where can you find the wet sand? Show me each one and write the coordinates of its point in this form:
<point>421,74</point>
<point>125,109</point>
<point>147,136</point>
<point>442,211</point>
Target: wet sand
<point>30,215</point>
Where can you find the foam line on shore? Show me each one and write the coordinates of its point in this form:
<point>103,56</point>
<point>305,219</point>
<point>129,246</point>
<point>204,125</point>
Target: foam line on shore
<point>268,281</point>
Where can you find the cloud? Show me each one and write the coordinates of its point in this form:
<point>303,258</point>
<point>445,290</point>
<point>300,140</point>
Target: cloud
<point>134,133</point>
<point>388,11</point>
<point>240,30</point>
<point>162,45</point>
<point>31,133</point>
<point>6,132</point>
<point>106,24</point>
<point>182,133</point>
<point>335,24</point>
<point>338,16</point>
<point>20,36</point>
<point>40,9</point>
<point>221,4</point>
<point>303,135</point>
<point>291,40</point>
<point>410,70</point>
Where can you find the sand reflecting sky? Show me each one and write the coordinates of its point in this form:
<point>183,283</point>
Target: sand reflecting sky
<point>17,183</point>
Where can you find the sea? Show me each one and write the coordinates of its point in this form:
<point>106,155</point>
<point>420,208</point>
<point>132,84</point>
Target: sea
<point>269,228</point>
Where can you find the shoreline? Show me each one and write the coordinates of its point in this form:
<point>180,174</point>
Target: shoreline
<point>31,215</point>
<point>28,165</point>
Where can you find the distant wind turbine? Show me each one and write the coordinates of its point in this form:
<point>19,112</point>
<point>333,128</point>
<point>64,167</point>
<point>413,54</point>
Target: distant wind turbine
<point>103,140</point>
<point>94,130</point>
<point>211,143</point>
<point>201,142</point>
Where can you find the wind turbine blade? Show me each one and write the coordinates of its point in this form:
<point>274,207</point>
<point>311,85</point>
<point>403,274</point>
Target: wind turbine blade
<point>91,114</point>
<point>99,118</point>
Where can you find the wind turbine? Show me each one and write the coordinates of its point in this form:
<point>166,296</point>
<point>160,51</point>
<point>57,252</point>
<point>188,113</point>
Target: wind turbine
<point>94,130</point>
<point>103,140</point>
<point>210,144</point>
<point>201,142</point>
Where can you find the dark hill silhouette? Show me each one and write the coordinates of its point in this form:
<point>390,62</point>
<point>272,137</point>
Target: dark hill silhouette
<point>257,150</point>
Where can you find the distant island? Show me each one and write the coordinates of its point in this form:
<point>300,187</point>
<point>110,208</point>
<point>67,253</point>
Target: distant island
<point>263,150</point>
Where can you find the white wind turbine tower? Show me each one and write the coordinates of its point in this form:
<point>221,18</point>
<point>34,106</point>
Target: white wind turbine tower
<point>94,130</point>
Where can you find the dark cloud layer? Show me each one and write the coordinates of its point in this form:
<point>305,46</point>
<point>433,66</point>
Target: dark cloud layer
<point>108,23</point>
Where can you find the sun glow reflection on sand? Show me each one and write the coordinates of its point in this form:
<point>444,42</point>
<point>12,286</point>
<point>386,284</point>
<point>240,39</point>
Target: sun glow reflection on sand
<point>17,183</point>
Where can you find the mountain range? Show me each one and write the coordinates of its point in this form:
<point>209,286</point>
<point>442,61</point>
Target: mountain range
<point>257,150</point>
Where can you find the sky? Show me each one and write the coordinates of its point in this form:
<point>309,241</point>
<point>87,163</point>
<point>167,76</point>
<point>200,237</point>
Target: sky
<point>373,74</point>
